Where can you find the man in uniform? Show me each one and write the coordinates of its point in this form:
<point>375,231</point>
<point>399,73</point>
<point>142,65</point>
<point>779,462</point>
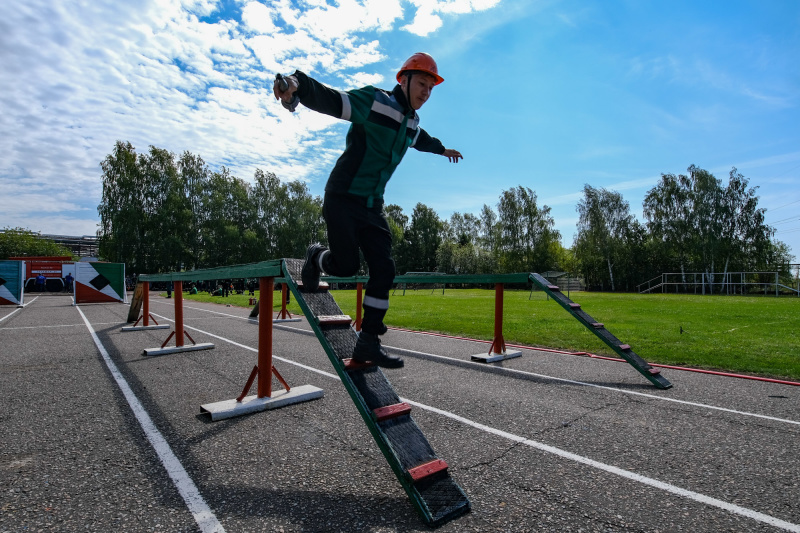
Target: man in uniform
<point>384,125</point>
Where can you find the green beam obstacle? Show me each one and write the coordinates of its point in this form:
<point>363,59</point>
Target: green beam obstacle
<point>425,477</point>
<point>277,268</point>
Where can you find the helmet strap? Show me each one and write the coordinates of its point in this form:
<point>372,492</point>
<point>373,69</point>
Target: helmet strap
<point>409,74</point>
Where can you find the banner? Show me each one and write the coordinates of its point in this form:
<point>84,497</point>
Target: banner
<point>11,282</point>
<point>100,282</point>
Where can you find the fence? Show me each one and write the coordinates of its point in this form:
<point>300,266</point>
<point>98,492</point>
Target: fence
<point>720,283</point>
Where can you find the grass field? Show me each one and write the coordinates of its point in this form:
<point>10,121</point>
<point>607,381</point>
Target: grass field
<point>745,334</point>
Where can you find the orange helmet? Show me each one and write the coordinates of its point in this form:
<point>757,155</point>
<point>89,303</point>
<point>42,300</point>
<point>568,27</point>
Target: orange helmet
<point>422,62</point>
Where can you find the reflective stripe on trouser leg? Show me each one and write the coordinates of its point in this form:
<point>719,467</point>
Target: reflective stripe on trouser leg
<point>377,303</point>
<point>320,259</point>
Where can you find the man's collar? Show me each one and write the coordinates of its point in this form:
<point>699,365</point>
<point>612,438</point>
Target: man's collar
<point>400,96</point>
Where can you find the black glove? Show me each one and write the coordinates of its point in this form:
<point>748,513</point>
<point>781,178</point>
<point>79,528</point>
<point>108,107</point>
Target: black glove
<point>283,85</point>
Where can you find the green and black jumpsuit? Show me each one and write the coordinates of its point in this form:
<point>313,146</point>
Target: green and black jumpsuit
<point>383,127</point>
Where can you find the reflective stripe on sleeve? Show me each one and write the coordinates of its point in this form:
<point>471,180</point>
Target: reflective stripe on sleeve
<point>416,136</point>
<point>346,109</point>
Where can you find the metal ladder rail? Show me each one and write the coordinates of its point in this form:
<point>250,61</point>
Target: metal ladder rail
<point>623,350</point>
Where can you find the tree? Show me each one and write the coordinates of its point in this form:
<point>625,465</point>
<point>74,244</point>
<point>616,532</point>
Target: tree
<point>122,233</point>
<point>288,218</point>
<point>168,210</point>
<point>605,226</point>
<point>667,209</point>
<point>489,232</point>
<point>527,237</point>
<point>702,224</point>
<point>195,175</point>
<point>423,238</point>
<point>397,221</point>
<point>159,213</point>
<point>229,218</point>
<point>20,242</point>
<point>463,229</point>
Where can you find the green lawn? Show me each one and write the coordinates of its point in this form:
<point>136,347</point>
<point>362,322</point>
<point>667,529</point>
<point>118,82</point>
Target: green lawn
<point>746,334</point>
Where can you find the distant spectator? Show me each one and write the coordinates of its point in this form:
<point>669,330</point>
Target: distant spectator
<point>169,290</point>
<point>193,290</point>
<point>40,279</point>
<point>68,283</point>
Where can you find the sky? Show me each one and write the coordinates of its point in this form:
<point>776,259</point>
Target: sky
<point>550,95</point>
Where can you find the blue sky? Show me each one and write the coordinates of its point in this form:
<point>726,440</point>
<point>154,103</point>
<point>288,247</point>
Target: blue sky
<point>549,95</point>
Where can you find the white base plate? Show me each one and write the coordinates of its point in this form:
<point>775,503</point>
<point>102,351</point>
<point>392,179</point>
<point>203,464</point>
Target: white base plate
<point>142,328</point>
<point>493,357</point>
<point>253,404</point>
<point>276,320</point>
<point>178,349</point>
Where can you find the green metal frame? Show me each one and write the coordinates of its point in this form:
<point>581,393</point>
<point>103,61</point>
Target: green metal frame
<point>264,269</point>
<point>276,268</point>
<point>641,366</point>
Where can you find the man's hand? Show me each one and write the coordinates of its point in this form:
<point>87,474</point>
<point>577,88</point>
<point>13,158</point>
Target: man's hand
<point>452,155</point>
<point>284,89</point>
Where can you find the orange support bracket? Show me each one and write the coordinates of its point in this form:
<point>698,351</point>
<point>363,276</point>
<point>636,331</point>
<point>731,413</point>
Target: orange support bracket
<point>146,304</point>
<point>498,343</point>
<point>266,287</point>
<point>284,312</point>
<point>179,331</point>
<point>497,351</point>
<point>146,316</point>
<point>252,378</point>
<point>359,299</point>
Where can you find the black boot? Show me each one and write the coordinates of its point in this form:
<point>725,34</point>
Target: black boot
<point>310,273</point>
<point>369,349</point>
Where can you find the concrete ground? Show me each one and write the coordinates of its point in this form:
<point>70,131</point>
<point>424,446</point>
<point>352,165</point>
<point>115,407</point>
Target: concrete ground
<point>544,442</point>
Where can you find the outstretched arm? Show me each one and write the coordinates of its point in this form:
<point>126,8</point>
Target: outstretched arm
<point>351,105</point>
<point>425,143</point>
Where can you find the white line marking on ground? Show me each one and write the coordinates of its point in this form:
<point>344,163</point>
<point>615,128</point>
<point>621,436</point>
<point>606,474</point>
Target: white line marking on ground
<point>696,496</point>
<point>210,311</point>
<point>545,376</point>
<point>684,493</point>
<point>203,515</point>
<point>17,309</point>
<point>9,314</point>
<point>62,326</point>
<point>604,387</point>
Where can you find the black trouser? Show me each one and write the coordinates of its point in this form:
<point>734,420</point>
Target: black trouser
<point>353,226</point>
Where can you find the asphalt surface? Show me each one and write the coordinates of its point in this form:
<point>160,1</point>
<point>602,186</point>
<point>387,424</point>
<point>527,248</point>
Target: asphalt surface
<point>544,442</point>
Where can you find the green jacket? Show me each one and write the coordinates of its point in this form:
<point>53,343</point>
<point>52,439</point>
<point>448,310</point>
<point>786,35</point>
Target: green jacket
<point>383,128</point>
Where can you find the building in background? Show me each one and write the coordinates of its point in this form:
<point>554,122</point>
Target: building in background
<point>80,246</point>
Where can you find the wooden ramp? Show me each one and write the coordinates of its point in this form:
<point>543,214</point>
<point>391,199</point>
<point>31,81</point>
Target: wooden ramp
<point>423,475</point>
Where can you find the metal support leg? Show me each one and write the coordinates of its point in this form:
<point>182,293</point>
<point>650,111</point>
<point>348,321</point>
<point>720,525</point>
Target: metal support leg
<point>266,288</point>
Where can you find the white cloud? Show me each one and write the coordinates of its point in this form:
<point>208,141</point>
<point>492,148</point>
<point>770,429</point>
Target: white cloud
<point>79,76</point>
<point>425,22</point>
<point>361,79</point>
<point>258,18</point>
<point>427,19</point>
